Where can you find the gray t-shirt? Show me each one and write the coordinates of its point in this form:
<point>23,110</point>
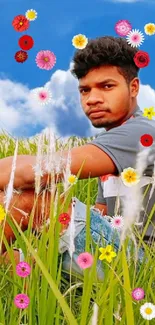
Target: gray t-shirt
<point>122,146</point>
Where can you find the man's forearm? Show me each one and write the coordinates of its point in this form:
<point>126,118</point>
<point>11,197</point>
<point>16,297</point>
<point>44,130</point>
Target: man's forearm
<point>24,177</point>
<point>23,167</point>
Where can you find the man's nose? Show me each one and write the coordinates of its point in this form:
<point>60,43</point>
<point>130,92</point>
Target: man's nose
<point>94,97</point>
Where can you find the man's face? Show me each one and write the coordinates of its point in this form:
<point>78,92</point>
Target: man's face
<point>104,89</point>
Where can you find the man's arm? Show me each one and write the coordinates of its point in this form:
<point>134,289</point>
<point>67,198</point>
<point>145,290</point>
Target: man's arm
<point>97,163</point>
<point>23,166</point>
<point>102,208</point>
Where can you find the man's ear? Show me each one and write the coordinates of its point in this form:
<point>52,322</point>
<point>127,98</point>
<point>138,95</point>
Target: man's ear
<point>134,87</point>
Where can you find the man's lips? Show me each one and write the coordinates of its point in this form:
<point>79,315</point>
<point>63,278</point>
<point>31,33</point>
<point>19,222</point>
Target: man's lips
<point>97,113</point>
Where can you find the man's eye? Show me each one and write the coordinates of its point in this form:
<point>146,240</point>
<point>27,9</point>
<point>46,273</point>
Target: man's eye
<point>107,86</point>
<point>83,90</point>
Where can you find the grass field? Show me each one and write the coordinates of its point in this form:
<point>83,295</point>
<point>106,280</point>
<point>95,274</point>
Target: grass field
<point>54,298</point>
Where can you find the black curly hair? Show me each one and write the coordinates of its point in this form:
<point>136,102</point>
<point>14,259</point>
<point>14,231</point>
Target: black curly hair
<point>107,50</point>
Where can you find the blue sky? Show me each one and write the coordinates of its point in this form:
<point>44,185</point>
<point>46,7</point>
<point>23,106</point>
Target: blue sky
<point>57,23</point>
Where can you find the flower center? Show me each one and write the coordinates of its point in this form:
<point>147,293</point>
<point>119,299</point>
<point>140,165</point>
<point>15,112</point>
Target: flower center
<point>135,37</point>
<point>46,59</point>
<point>43,96</point>
<point>80,41</point>
<point>23,269</point>
<point>148,311</point>
<point>21,300</point>
<point>21,56</point>
<point>31,15</point>
<point>142,59</point>
<point>107,253</point>
<point>21,23</point>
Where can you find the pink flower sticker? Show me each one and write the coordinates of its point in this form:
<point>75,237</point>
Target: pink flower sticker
<point>123,27</point>
<point>85,260</point>
<point>23,269</point>
<point>45,60</point>
<point>21,301</point>
<point>117,222</point>
<point>138,294</point>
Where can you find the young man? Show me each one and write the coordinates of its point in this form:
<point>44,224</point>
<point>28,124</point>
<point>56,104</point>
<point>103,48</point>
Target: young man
<point>108,85</point>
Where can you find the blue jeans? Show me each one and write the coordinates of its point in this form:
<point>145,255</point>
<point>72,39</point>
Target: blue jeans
<point>102,234</point>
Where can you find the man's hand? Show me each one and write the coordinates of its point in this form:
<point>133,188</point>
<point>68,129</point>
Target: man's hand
<point>23,172</point>
<point>25,202</point>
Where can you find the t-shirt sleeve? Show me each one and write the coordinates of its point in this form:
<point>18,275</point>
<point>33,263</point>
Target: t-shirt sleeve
<point>100,198</point>
<point>122,144</point>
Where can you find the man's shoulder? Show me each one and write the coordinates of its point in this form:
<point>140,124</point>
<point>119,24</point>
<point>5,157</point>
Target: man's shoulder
<point>139,126</point>
<point>133,126</point>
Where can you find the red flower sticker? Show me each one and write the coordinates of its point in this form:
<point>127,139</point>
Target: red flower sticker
<point>20,23</point>
<point>26,42</point>
<point>141,59</point>
<point>21,56</point>
<point>64,218</point>
<point>146,140</point>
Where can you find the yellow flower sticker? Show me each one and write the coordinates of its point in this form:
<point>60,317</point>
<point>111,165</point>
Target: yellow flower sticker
<point>80,41</point>
<point>149,29</point>
<point>72,179</point>
<point>31,14</point>
<point>149,112</point>
<point>107,253</point>
<point>130,177</point>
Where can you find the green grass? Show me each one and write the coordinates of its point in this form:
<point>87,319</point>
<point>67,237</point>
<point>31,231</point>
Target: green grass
<point>56,299</point>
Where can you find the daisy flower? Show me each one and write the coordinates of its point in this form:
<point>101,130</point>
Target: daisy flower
<point>149,112</point>
<point>138,294</point>
<point>23,269</point>
<point>20,23</point>
<point>42,95</point>
<point>21,56</point>
<point>107,253</point>
<point>31,14</point>
<point>21,301</point>
<point>135,38</point>
<point>79,41</point>
<point>117,222</point>
<point>2,213</point>
<point>130,177</point>
<point>85,260</point>
<point>72,179</point>
<point>45,60</point>
<point>26,42</point>
<point>149,29</point>
<point>148,311</point>
<point>123,27</point>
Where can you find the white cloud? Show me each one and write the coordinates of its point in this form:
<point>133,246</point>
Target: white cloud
<point>20,114</point>
<point>146,96</point>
